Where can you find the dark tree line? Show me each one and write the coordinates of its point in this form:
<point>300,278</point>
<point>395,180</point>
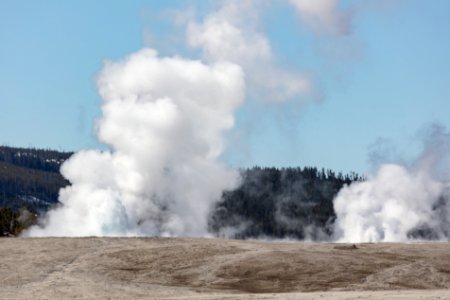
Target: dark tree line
<point>279,203</point>
<point>31,188</point>
<point>30,178</point>
<point>29,185</point>
<point>37,159</point>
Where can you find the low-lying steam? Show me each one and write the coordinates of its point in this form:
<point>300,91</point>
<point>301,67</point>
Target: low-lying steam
<point>400,203</point>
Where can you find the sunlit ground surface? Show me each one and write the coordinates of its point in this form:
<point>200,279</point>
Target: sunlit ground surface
<point>193,268</point>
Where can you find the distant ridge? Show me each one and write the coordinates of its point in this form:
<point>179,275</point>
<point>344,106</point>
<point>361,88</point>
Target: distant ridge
<point>30,178</point>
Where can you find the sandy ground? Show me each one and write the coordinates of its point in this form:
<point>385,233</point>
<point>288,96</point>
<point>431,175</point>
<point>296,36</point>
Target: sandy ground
<point>185,268</point>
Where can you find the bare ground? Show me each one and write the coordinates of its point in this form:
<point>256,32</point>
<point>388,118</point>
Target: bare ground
<point>194,268</point>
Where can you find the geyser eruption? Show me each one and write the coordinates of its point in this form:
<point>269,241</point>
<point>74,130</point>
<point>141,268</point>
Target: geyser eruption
<point>164,120</point>
<point>400,203</point>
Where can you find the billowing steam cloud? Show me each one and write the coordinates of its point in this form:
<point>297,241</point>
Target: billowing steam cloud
<point>163,119</point>
<point>231,35</point>
<point>399,202</point>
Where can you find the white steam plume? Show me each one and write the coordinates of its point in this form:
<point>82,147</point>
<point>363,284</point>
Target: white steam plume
<point>229,34</point>
<point>398,202</point>
<point>164,119</point>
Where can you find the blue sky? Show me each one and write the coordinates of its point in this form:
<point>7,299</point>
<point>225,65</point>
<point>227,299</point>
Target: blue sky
<point>387,80</point>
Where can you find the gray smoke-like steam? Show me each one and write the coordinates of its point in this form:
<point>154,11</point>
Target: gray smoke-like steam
<point>164,119</point>
<point>228,34</point>
<point>400,202</point>
<point>324,15</point>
